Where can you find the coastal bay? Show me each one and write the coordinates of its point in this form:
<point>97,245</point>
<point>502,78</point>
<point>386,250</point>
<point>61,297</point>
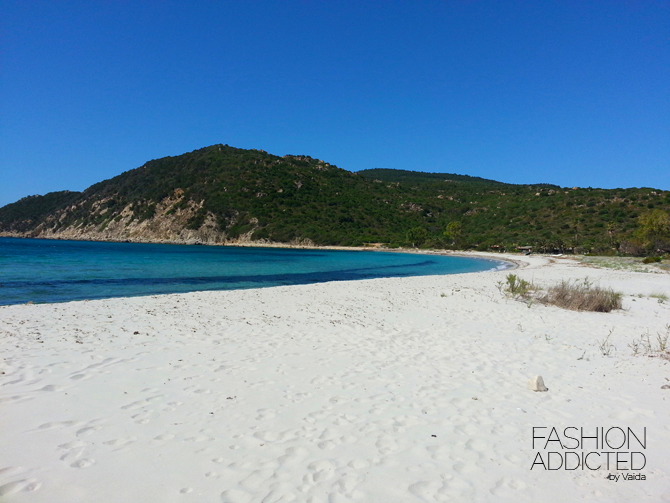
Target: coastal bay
<point>48,270</point>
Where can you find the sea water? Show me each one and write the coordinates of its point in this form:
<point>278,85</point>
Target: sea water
<point>39,270</point>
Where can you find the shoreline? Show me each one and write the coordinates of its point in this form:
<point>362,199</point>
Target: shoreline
<point>241,244</point>
<point>486,261</point>
<point>261,244</point>
<point>389,389</point>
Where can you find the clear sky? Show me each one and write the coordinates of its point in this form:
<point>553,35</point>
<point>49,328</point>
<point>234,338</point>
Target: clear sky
<point>575,93</point>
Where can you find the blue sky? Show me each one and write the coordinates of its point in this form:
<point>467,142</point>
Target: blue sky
<point>575,93</point>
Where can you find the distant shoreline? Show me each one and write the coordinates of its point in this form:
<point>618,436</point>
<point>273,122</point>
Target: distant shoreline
<point>257,244</point>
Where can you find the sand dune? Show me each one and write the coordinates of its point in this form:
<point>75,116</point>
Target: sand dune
<point>387,390</point>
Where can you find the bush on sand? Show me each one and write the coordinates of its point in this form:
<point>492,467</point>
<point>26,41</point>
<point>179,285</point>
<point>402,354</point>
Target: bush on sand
<point>582,297</point>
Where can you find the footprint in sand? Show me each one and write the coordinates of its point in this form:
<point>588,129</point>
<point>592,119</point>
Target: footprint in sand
<point>83,463</point>
<point>269,436</point>
<point>172,406</point>
<point>25,485</point>
<point>120,442</point>
<point>198,438</point>
<point>466,468</point>
<point>15,399</point>
<point>386,444</point>
<point>425,490</point>
<point>313,417</point>
<point>134,405</point>
<point>297,397</point>
<point>359,464</point>
<point>73,454</point>
<point>87,430</point>
<point>59,424</point>
<point>321,470</point>
<point>439,452</point>
<point>8,470</point>
<point>236,496</point>
<point>142,417</point>
<point>52,387</point>
<point>508,486</point>
<point>478,445</point>
<point>326,445</point>
<point>72,445</point>
<point>265,414</point>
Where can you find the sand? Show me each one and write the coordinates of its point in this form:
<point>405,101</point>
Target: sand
<point>386,390</point>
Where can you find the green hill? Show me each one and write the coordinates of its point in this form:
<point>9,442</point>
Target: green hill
<point>221,194</point>
<point>420,178</point>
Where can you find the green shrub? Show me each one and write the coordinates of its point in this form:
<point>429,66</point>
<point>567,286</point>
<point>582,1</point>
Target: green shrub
<point>260,234</point>
<point>651,260</point>
<point>515,286</point>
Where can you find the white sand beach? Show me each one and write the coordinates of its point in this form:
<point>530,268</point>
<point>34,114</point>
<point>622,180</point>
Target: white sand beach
<point>386,390</point>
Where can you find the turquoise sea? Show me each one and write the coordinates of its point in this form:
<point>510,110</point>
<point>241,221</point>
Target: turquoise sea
<point>40,270</point>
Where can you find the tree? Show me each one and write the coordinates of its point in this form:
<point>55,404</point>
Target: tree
<point>654,227</point>
<point>417,236</point>
<point>454,231</point>
<point>611,230</point>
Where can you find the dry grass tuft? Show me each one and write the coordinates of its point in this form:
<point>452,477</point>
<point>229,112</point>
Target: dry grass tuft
<point>582,297</point>
<point>660,296</point>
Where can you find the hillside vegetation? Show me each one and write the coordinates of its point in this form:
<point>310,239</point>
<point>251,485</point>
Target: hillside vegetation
<point>221,194</point>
